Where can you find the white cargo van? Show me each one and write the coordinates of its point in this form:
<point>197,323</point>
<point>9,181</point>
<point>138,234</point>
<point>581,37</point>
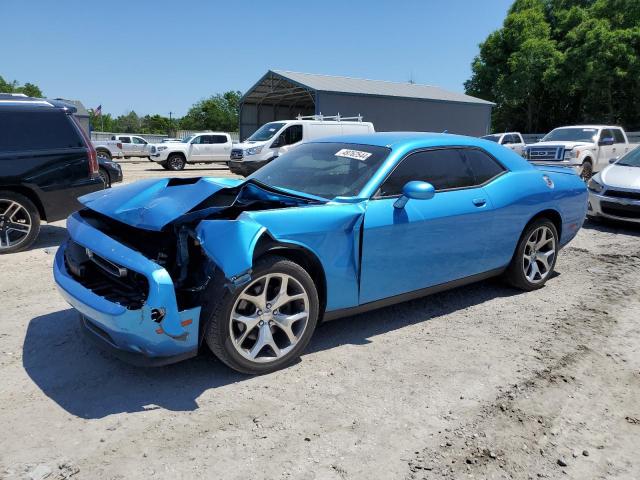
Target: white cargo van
<point>276,138</point>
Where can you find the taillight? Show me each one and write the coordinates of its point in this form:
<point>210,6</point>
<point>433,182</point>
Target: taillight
<point>93,156</point>
<point>119,146</point>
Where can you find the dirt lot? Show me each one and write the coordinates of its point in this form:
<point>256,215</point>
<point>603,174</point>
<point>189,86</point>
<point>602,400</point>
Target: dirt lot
<point>479,382</point>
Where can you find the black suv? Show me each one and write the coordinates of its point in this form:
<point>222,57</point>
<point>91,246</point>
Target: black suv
<point>46,163</point>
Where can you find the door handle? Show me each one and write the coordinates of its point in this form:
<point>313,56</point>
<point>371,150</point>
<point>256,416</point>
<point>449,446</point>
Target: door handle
<point>479,202</point>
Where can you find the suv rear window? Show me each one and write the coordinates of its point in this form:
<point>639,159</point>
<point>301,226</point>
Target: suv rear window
<point>40,130</point>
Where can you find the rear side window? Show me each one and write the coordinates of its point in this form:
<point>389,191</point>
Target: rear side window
<point>292,135</point>
<point>218,139</point>
<point>618,136</point>
<point>444,169</point>
<point>483,166</point>
<point>37,130</point>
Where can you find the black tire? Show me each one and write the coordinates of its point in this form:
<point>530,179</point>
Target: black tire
<point>27,213</point>
<point>104,154</point>
<point>106,179</point>
<point>220,301</point>
<point>164,165</point>
<point>587,170</point>
<point>175,162</point>
<point>515,274</point>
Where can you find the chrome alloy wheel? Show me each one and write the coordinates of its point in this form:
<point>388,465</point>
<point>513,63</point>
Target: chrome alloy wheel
<point>15,223</point>
<point>269,317</point>
<point>539,254</point>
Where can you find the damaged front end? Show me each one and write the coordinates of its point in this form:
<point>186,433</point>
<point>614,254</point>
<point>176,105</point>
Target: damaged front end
<point>139,260</point>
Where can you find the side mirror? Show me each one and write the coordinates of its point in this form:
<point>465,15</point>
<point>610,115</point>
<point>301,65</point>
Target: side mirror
<point>415,190</point>
<point>605,141</point>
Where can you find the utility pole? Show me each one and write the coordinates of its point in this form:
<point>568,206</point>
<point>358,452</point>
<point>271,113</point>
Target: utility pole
<point>170,123</point>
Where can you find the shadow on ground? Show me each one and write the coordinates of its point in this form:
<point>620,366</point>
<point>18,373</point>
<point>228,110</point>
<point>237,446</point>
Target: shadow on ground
<point>50,236</point>
<point>612,226</point>
<point>89,383</point>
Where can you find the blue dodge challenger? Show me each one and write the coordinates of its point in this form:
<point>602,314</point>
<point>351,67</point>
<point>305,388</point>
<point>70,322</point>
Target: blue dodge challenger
<point>335,227</point>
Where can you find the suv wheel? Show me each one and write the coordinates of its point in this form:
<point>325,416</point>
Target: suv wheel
<point>266,324</point>
<point>175,162</point>
<point>104,175</point>
<point>19,222</point>
<point>535,257</point>
<point>587,170</point>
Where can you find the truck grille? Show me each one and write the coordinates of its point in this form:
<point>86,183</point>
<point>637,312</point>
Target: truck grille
<point>622,194</point>
<point>106,279</point>
<point>236,154</point>
<point>545,153</point>
<point>618,210</point>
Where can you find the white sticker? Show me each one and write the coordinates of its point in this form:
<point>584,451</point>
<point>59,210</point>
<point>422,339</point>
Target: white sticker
<point>354,154</point>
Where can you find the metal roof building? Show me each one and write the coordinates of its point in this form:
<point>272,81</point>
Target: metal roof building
<point>391,106</point>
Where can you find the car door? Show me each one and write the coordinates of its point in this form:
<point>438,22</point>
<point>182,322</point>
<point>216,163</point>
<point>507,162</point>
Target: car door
<point>605,152</point>
<point>198,149</point>
<point>289,138</point>
<point>428,242</point>
<point>620,147</point>
<point>139,146</point>
<point>221,147</point>
<point>127,146</point>
<point>518,145</point>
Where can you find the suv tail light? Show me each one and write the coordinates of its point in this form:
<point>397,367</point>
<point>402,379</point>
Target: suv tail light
<point>93,156</point>
<point>119,146</point>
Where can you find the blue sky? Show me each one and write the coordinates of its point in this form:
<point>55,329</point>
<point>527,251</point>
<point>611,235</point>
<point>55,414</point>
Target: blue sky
<point>161,56</point>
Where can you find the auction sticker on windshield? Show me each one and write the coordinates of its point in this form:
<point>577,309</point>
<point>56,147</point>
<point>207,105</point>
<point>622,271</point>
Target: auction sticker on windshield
<point>354,154</point>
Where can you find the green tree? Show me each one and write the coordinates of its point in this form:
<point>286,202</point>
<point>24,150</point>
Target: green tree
<point>562,61</point>
<point>219,112</point>
<point>28,89</point>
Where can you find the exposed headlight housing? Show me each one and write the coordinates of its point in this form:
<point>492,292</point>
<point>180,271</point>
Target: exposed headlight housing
<point>162,148</point>
<point>595,186</point>
<point>253,150</point>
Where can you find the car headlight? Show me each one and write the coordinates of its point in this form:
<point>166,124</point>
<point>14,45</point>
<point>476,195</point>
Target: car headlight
<point>162,148</point>
<point>253,150</point>
<point>573,153</point>
<point>594,185</point>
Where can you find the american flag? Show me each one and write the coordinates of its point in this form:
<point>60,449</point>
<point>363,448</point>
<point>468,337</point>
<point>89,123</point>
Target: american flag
<point>98,111</point>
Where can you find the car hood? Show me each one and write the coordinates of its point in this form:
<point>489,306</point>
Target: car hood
<point>566,145</point>
<point>245,145</point>
<point>152,204</point>
<point>621,176</point>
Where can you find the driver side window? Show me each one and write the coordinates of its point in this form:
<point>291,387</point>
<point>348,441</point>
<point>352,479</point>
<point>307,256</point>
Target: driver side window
<point>443,168</point>
<point>291,135</point>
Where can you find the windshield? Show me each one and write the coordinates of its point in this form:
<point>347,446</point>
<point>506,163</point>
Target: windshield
<point>188,139</point>
<point>631,159</point>
<point>266,132</point>
<point>492,138</point>
<point>326,170</point>
<point>571,135</point>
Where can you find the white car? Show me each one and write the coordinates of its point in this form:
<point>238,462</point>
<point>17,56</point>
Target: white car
<point>511,140</point>
<point>615,192</point>
<point>122,146</point>
<point>276,138</point>
<point>206,147</point>
<point>586,148</point>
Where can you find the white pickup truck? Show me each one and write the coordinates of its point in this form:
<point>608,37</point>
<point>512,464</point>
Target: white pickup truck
<point>122,146</point>
<point>586,148</point>
<point>206,147</point>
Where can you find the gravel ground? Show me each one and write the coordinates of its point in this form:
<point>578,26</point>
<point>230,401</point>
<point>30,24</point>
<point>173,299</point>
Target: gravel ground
<point>478,382</point>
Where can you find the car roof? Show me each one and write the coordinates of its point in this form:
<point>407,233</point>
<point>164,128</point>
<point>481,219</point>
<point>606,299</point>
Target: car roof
<point>22,102</point>
<point>588,126</point>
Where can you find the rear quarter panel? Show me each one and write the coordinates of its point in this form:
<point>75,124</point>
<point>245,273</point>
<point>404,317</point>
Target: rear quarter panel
<point>521,195</point>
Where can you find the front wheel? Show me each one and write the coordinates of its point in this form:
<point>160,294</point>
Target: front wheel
<point>104,155</point>
<point>587,170</point>
<point>19,222</point>
<point>175,162</point>
<point>535,256</point>
<point>266,324</point>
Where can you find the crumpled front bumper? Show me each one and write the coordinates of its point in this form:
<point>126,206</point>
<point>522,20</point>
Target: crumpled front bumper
<point>130,332</point>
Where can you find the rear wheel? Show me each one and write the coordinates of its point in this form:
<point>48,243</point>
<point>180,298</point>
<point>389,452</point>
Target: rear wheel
<point>535,256</point>
<point>175,162</point>
<point>19,222</point>
<point>266,324</point>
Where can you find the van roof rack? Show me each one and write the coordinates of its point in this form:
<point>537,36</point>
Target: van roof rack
<point>336,118</point>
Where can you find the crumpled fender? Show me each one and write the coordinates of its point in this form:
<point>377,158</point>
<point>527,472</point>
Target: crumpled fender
<point>230,243</point>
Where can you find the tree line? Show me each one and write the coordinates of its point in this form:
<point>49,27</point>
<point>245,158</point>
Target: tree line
<point>558,62</point>
<point>29,89</point>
